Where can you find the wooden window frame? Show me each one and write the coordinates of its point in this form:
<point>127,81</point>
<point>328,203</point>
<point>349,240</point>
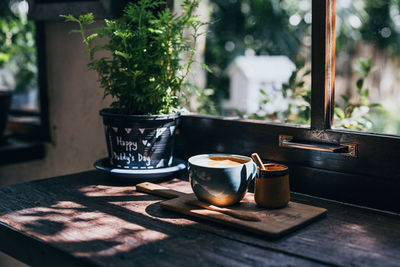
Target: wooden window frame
<point>371,178</point>
<point>28,130</point>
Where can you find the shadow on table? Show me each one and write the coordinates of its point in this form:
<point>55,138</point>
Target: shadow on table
<point>92,216</point>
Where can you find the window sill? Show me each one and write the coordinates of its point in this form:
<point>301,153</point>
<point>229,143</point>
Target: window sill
<point>14,150</point>
<point>27,128</point>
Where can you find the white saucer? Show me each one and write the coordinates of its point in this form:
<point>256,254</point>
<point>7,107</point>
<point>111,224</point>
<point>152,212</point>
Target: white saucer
<point>104,165</point>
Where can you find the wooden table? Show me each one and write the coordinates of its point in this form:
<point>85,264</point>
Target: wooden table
<point>87,219</point>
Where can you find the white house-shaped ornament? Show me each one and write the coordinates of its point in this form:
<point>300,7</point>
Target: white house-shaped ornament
<point>249,74</point>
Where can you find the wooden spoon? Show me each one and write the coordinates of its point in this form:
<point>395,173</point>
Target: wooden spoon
<point>242,215</point>
<point>258,161</point>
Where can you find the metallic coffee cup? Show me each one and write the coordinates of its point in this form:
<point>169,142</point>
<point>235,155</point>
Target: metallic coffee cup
<point>221,186</point>
<point>272,186</point>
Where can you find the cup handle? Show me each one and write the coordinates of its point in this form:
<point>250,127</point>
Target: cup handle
<point>254,170</point>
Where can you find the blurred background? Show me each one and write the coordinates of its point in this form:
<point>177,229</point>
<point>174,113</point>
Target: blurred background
<point>259,52</point>
<point>18,56</point>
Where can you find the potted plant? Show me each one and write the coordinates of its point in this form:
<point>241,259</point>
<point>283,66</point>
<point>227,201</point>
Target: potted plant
<point>144,74</point>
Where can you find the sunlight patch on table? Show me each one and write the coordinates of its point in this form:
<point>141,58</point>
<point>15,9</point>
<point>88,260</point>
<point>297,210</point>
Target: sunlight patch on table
<point>106,190</point>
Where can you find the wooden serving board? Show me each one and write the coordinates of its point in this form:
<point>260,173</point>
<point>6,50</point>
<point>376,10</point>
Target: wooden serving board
<point>272,223</point>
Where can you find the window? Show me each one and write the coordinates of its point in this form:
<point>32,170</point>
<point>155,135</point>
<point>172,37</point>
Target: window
<point>362,167</point>
<point>253,48</point>
<point>367,74</point>
<point>23,71</point>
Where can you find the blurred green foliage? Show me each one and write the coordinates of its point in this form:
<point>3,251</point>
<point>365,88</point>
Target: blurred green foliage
<point>376,23</point>
<point>354,114</point>
<point>299,100</point>
<point>282,27</point>
<point>259,27</point>
<point>17,44</point>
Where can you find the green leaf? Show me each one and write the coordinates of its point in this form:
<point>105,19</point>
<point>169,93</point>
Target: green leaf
<point>122,54</point>
<point>345,99</point>
<point>339,113</point>
<point>360,83</point>
<point>86,19</point>
<point>376,105</point>
<point>75,31</point>
<point>307,72</point>
<point>364,101</point>
<point>69,18</point>
<point>204,66</point>
<point>4,57</point>
<point>292,78</point>
<point>91,37</point>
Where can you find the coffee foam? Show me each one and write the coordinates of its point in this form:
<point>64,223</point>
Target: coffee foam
<point>220,161</point>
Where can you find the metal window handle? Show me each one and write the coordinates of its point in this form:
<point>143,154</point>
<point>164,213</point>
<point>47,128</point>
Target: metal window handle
<point>344,149</point>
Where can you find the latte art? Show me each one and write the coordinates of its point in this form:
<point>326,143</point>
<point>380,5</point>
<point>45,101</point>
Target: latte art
<point>220,162</point>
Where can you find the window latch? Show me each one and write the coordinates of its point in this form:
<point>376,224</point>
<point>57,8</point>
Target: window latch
<point>348,149</point>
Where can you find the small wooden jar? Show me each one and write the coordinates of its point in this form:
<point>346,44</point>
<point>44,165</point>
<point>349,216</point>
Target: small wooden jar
<point>272,186</point>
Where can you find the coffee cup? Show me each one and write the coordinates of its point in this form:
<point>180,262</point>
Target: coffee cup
<point>272,186</point>
<point>221,179</point>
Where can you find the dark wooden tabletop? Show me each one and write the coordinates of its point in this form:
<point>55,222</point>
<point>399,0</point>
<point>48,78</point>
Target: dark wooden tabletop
<point>89,219</point>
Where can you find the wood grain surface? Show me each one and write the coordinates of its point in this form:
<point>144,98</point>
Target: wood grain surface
<point>89,219</point>
<point>271,223</point>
